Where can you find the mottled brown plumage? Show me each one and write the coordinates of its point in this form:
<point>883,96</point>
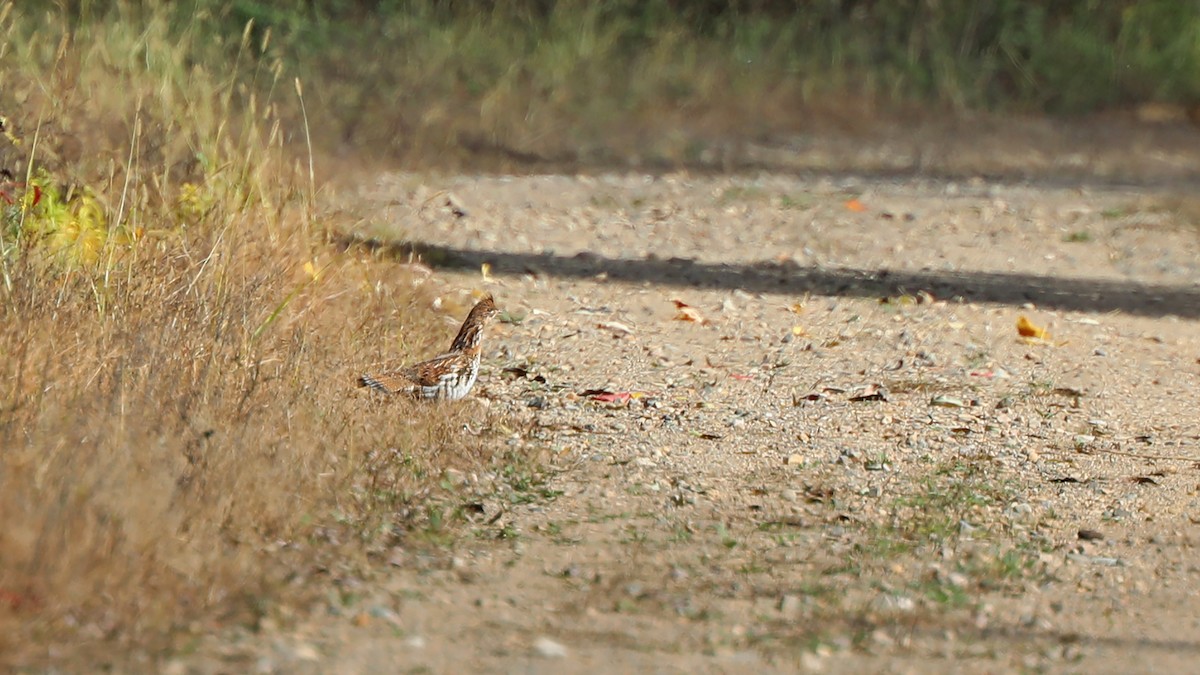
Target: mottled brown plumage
<point>449,376</point>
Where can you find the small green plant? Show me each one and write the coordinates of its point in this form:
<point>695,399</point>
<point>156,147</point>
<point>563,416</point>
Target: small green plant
<point>727,539</point>
<point>634,535</point>
<point>681,535</point>
<point>944,593</point>
<point>740,193</point>
<point>797,202</point>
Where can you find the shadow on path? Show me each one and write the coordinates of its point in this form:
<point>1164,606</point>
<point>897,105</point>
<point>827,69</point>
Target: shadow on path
<point>1073,294</point>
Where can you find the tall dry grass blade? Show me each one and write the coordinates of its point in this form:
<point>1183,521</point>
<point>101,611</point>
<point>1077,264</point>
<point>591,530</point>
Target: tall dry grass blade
<point>312,176</point>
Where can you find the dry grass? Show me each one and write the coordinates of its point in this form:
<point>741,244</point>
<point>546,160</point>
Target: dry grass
<point>177,353</point>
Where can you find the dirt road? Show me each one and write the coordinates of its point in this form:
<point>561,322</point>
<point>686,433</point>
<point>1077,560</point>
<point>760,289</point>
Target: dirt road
<point>840,456</point>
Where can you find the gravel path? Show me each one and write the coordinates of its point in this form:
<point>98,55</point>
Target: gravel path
<point>839,456</point>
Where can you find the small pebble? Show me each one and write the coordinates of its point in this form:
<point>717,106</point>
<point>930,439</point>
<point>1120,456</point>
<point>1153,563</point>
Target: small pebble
<point>790,606</point>
<point>306,652</point>
<point>547,648</point>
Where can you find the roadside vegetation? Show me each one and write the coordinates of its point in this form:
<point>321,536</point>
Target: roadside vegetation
<point>630,81</point>
<point>182,441</point>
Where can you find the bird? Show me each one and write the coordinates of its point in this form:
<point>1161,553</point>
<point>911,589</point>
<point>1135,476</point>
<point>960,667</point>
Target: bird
<point>446,377</point>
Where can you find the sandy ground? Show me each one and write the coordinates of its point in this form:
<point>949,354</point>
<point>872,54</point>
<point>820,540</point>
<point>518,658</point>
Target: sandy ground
<point>840,457</point>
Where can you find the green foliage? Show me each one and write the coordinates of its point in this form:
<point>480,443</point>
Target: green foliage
<point>1072,55</point>
<point>572,76</point>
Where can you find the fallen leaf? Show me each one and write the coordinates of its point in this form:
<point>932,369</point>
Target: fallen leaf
<point>990,373</point>
<point>685,312</point>
<point>739,376</point>
<point>813,396</point>
<point>855,206</point>
<point>617,328</point>
<point>1026,328</point>
<point>899,300</point>
<point>1143,480</point>
<point>870,392</point>
<point>796,308</point>
<point>455,207</point>
<point>799,331</point>
<point>486,270</point>
<point>522,374</point>
<point>943,401</point>
<point>710,437</point>
<point>605,396</point>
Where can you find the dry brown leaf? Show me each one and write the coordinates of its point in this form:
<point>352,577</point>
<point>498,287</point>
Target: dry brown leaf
<point>617,328</point>
<point>870,392</point>
<point>685,312</point>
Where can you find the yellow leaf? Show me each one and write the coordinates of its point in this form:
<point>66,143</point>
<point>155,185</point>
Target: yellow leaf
<point>1026,328</point>
<point>799,331</point>
<point>486,270</point>
<point>311,270</point>
<point>796,308</point>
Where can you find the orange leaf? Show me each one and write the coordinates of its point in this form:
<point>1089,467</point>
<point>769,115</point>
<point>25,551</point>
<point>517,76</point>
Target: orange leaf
<point>685,312</point>
<point>856,206</point>
<point>1026,328</point>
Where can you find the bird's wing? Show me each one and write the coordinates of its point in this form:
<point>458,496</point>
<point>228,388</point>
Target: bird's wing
<point>424,374</point>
